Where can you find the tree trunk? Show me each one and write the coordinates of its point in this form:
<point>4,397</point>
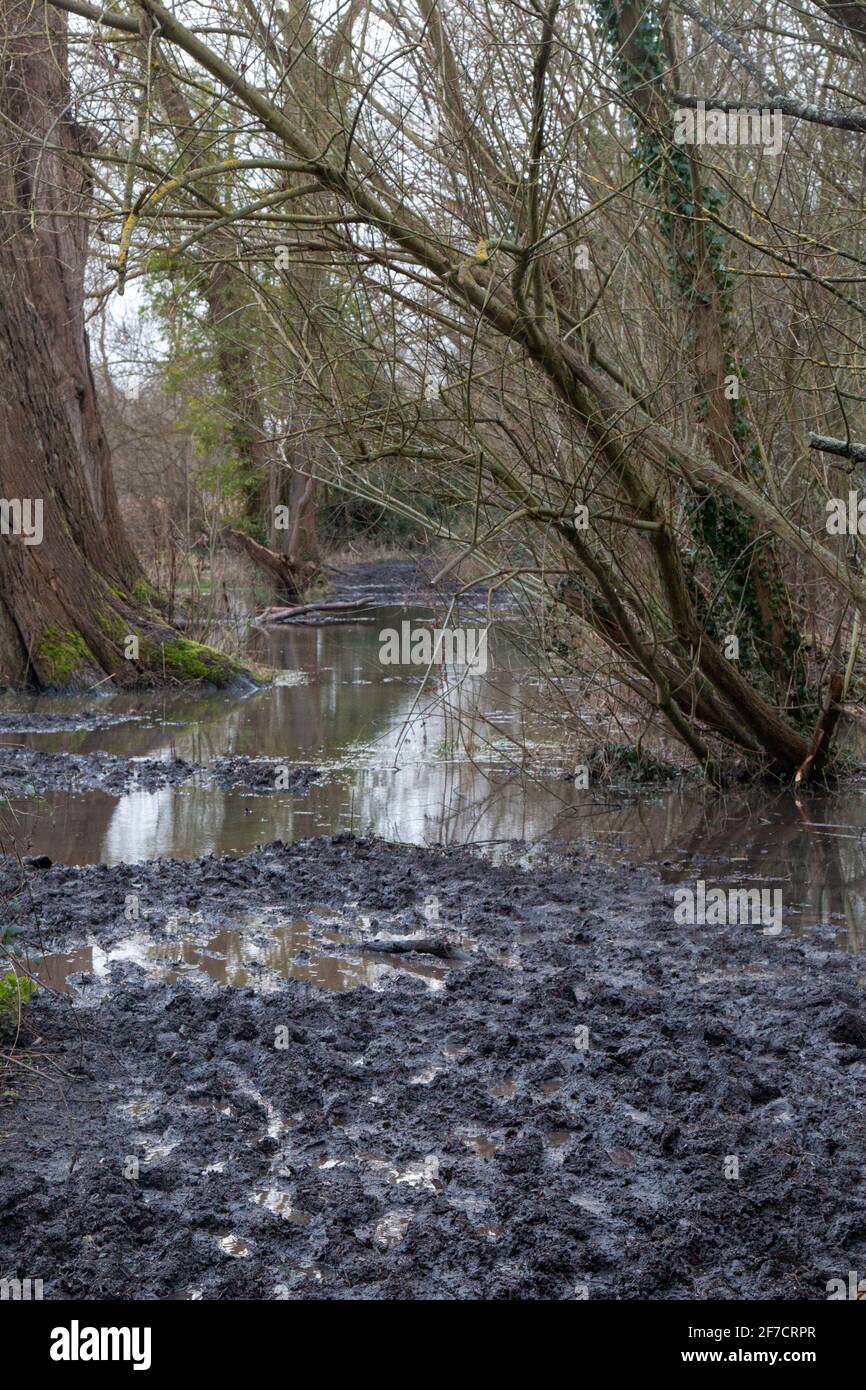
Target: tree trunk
<point>71,591</point>
<point>229,306</point>
<point>288,578</point>
<point>268,481</point>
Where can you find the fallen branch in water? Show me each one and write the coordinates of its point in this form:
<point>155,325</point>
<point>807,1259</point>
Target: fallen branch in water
<point>285,615</point>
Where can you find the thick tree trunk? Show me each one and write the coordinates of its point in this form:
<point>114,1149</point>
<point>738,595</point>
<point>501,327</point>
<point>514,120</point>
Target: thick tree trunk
<point>295,488</point>
<point>72,596</point>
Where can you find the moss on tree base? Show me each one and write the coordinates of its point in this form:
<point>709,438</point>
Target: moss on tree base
<point>181,659</point>
<point>130,653</point>
<point>66,658</point>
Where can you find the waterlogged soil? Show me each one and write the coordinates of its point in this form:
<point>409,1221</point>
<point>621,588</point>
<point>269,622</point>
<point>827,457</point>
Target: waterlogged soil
<point>524,1083</point>
<point>76,720</point>
<point>30,771</point>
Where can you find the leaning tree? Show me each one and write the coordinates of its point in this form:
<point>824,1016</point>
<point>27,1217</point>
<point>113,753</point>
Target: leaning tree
<point>636,366</point>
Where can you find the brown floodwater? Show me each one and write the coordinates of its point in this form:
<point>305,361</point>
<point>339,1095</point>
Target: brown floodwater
<point>472,761</point>
<point>328,950</point>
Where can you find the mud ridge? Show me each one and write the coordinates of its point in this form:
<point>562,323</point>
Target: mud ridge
<point>28,771</point>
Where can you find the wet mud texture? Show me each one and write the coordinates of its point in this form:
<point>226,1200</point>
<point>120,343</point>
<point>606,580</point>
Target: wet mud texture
<point>16,722</point>
<point>412,1143</point>
<point>260,774</point>
<point>24,771</point>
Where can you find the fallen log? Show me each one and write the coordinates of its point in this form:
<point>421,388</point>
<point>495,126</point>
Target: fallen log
<point>285,615</point>
<point>290,577</point>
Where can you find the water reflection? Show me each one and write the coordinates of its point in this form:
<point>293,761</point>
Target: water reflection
<point>435,763</point>
<point>256,955</point>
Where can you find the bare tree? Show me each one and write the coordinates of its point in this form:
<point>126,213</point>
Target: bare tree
<point>598,350</point>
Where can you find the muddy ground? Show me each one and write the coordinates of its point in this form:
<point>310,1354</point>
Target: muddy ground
<point>37,722</point>
<point>442,1135</point>
<point>28,771</point>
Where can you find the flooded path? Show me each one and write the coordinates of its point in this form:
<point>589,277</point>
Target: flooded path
<point>235,1098</point>
<point>445,760</point>
<point>427,762</point>
<point>358,1067</point>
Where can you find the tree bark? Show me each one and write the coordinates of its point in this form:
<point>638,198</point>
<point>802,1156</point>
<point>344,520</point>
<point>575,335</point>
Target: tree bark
<point>286,576</point>
<point>816,761</point>
<point>71,598</point>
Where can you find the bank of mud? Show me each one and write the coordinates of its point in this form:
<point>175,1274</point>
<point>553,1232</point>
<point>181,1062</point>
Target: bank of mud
<point>28,770</point>
<point>442,1135</point>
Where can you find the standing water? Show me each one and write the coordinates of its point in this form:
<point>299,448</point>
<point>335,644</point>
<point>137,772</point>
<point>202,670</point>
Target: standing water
<point>422,759</point>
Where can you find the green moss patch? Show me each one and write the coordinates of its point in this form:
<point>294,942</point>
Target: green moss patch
<point>64,656</point>
<point>188,661</point>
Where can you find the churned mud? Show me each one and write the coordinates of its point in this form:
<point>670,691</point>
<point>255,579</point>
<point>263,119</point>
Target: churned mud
<point>345,1069</point>
<point>76,720</point>
<point>260,774</point>
<point>26,770</point>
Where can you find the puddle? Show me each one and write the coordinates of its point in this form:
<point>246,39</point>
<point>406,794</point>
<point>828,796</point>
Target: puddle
<point>621,1158</point>
<point>259,956</point>
<point>483,1145</point>
<point>273,1199</point>
<point>557,1137</point>
<point>55,970</point>
<point>234,1246</point>
<point>392,1228</point>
